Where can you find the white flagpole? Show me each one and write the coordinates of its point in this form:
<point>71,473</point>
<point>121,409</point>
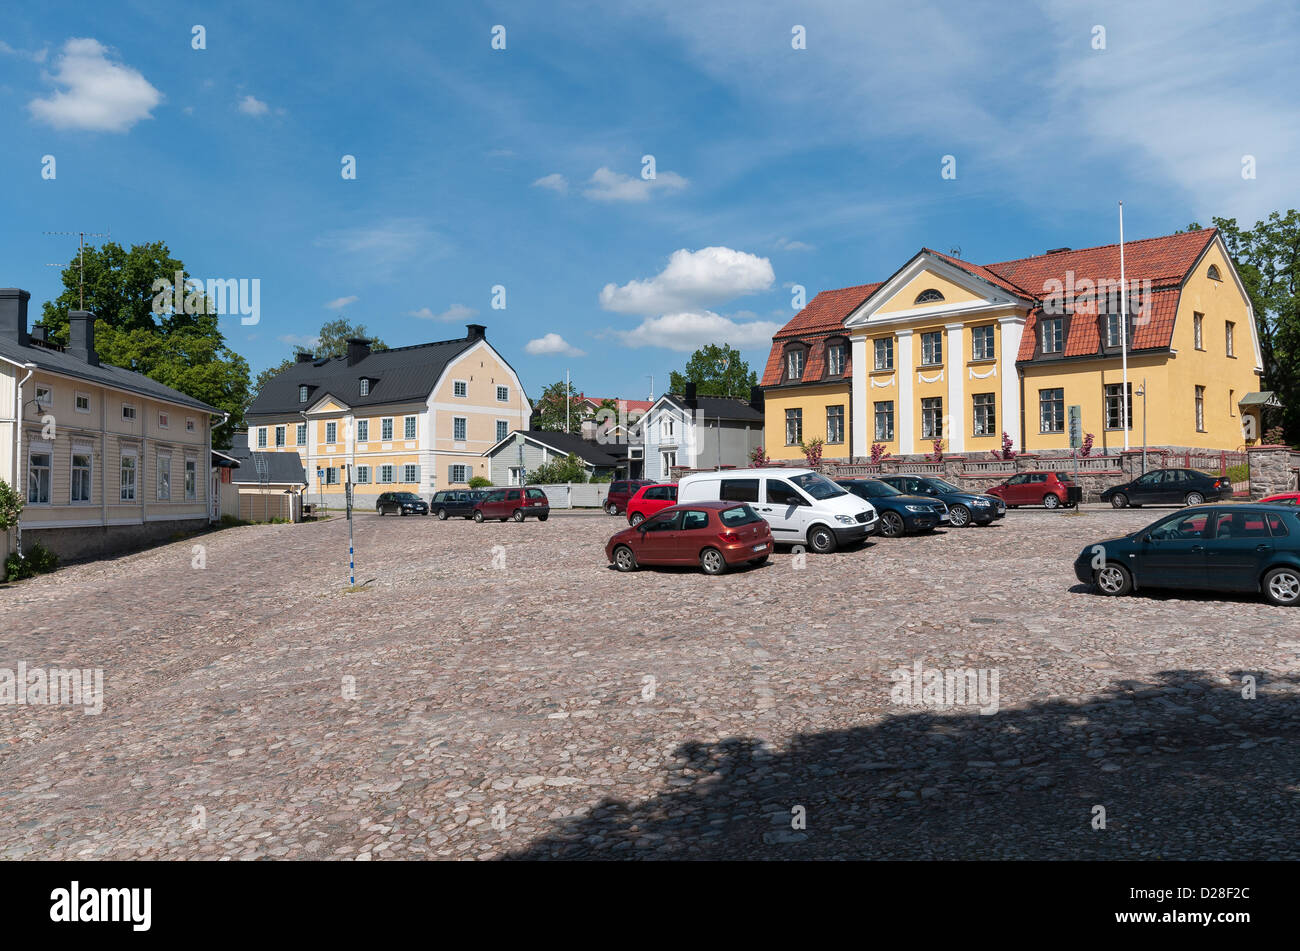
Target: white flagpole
<point>1123,331</point>
<point>567,402</point>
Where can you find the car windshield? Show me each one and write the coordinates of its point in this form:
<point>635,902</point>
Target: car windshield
<point>408,497</point>
<point>943,485</point>
<point>740,515</point>
<point>819,487</point>
<point>875,489</point>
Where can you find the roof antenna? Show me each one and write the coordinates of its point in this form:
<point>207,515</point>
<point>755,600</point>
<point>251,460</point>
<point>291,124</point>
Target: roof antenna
<point>954,252</point>
<point>81,257</point>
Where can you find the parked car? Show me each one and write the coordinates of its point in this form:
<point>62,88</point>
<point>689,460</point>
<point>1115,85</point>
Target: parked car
<point>403,503</point>
<point>1282,498</point>
<point>620,491</point>
<point>1239,547</point>
<point>714,535</point>
<point>458,502</point>
<point>1168,486</point>
<point>802,506</point>
<point>517,503</point>
<point>900,514</point>
<point>1048,489</point>
<point>650,499</point>
<point>964,507</point>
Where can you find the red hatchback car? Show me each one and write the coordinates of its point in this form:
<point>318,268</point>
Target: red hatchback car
<point>714,535</point>
<point>1049,489</point>
<point>519,504</point>
<point>650,499</point>
<point>1282,498</point>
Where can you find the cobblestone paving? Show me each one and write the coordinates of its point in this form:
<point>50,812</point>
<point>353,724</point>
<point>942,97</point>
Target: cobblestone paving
<point>255,709</point>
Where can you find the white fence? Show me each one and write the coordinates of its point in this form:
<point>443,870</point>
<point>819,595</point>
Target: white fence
<point>575,495</point>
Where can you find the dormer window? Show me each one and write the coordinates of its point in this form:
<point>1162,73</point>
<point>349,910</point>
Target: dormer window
<point>1213,273</point>
<point>302,393</point>
<point>835,351</point>
<point>928,296</point>
<point>365,386</point>
<point>794,365</point>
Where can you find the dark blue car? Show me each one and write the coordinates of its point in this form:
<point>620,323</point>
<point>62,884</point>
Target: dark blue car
<point>964,508</point>
<point>900,514</point>
<point>455,502</point>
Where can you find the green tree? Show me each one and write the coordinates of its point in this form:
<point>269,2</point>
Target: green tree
<point>715,371</point>
<point>1268,259</point>
<point>11,506</point>
<point>185,351</point>
<point>568,469</point>
<point>548,411</point>
<point>332,341</point>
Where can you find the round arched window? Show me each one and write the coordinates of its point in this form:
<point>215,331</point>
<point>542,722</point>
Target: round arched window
<point>928,296</point>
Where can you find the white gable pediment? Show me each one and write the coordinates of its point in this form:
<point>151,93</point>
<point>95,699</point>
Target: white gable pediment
<point>894,301</point>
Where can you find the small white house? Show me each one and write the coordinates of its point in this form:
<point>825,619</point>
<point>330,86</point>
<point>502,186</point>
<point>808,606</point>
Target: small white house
<point>700,432</point>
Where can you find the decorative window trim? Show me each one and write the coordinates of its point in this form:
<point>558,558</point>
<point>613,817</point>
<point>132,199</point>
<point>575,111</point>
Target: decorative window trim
<point>261,437</point>
<point>500,398</point>
<point>1212,272</point>
<point>991,371</point>
<point>499,423</point>
<point>125,453</point>
<point>190,487</point>
<point>77,397</point>
<point>458,384</point>
<point>164,420</point>
<point>40,449</point>
<point>300,435</point>
<point>386,429</point>
<point>363,386</point>
<point>83,449</point>
<point>884,384</point>
<point>411,425</point>
<point>463,422</point>
<point>930,295</point>
<point>164,470</point>
<point>128,412</point>
<point>304,392</point>
<point>363,430</point>
<point>190,424</point>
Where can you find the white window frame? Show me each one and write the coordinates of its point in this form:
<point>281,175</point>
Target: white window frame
<point>48,400</point>
<point>794,364</point>
<point>500,423</point>
<point>363,430</point>
<point>988,403</point>
<point>410,428</point>
<point>76,401</point>
<point>932,417</point>
<point>386,474</point>
<point>410,469</point>
<point>331,433</point>
<point>1198,331</point>
<point>1230,337</point>
<point>281,437</point>
<point>835,359</point>
<point>460,473</point>
<point>364,386</point>
<point>304,392</point>
<point>261,437</point>
<point>884,346</point>
<point>164,420</point>
<point>33,482</point>
<point>128,411</point>
<point>300,436</point>
<point>128,490</point>
<point>667,460</point>
<point>386,429</point>
<point>503,389</point>
<point>459,424</point>
<point>88,468</point>
<point>190,478</point>
<point>363,475</point>
<point>1198,394</point>
<point>190,425</point>
<point>164,476</point>
<point>932,340</point>
<point>460,385</point>
<point>983,342</point>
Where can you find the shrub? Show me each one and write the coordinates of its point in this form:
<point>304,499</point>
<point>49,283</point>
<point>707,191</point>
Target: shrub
<point>758,457</point>
<point>230,521</point>
<point>812,451</point>
<point>480,482</point>
<point>1239,473</point>
<point>568,469</point>
<point>937,455</point>
<point>1086,449</point>
<point>878,453</point>
<point>39,560</point>
<point>11,506</point>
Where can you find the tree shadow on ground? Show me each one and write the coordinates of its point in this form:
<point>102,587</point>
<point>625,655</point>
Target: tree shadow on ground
<point>1185,769</point>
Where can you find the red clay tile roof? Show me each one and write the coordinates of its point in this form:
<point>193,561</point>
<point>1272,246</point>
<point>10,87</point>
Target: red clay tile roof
<point>1159,260</point>
<point>827,311</point>
<point>997,280</point>
<point>1152,330</point>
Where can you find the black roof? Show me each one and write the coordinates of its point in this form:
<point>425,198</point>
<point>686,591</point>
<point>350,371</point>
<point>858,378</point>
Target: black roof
<point>277,468</point>
<point>398,375</point>
<point>104,374</point>
<point>713,407</point>
<point>588,450</point>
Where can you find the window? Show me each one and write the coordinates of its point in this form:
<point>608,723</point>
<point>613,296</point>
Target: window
<point>835,359</point>
<point>666,427</point>
<point>364,386</point>
<point>1213,273</point>
<point>885,421</point>
<point>332,475</point>
<point>261,437</point>
<point>458,426</point>
<point>363,475</point>
<point>126,477</point>
<point>503,429</point>
<point>128,412</point>
<point>985,415</point>
<point>81,465</point>
<point>1198,338</point>
<point>503,394</point>
<point>885,353</point>
<point>38,477</point>
<point>363,430</point>
<point>982,342</point>
<point>928,296</point>
<point>794,364</point>
<point>163,420</point>
<point>835,423</point>
<point>932,417</point>
<point>1200,409</point>
<point>1051,410</point>
<point>1276,526</point>
<point>1230,345</point>
<point>44,396</point>
<point>385,474</point>
<point>1052,335</point>
<point>279,436</point>
<point>331,433</point>
<point>191,479</point>
<point>408,427</point>
<point>793,427</point>
<point>780,492</point>
<point>410,473</point>
<point>931,348</point>
<point>460,388</point>
<point>164,477</point>
<point>302,393</point>
<point>386,428</point>
<point>692,520</point>
<point>1113,338</point>
<point>302,434</point>
<point>667,461</point>
<point>189,424</point>
<point>739,490</point>
<point>83,402</point>
<point>460,473</point>
<point>1118,415</point>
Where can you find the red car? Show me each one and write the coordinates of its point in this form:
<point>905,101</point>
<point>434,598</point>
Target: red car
<point>1283,498</point>
<point>650,499</point>
<point>714,535</point>
<point>1046,488</point>
<point>519,504</point>
<point>620,491</point>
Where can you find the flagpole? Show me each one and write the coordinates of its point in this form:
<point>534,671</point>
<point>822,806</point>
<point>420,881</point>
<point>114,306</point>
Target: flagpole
<point>1123,331</point>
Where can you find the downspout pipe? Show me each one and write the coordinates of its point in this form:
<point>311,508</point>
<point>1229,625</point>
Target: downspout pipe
<point>18,450</point>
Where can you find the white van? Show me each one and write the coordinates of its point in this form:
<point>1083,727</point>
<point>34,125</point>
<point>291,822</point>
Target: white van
<point>802,506</point>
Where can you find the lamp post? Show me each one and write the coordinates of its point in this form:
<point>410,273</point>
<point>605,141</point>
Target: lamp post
<point>721,363</point>
<point>1142,392</point>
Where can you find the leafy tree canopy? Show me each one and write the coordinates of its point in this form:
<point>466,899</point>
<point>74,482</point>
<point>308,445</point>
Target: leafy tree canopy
<point>332,341</point>
<point>548,411</point>
<point>715,371</point>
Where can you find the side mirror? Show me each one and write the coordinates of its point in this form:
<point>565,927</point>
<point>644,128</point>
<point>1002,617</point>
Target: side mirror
<point>1148,538</point>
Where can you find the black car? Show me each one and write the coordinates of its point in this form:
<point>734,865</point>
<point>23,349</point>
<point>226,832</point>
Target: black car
<point>1211,548</point>
<point>900,514</point>
<point>1169,487</point>
<point>964,508</point>
<point>457,502</point>
<point>403,503</point>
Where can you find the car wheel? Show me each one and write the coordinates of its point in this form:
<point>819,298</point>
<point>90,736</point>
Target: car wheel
<point>959,516</point>
<point>402,512</point>
<point>1119,500</point>
<point>442,515</point>
<point>542,518</point>
<point>821,539</point>
<point>712,562</point>
<point>637,519</point>
<point>1282,586</point>
<point>478,516</point>
<point>518,515</point>
<point>1113,580</point>
<point>891,525</point>
<point>624,560</point>
<point>611,508</point>
<point>1050,501</point>
<point>1195,498</point>
<point>756,562</point>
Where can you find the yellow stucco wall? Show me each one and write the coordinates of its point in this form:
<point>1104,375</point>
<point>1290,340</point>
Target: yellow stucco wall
<point>906,296</point>
<point>812,400</point>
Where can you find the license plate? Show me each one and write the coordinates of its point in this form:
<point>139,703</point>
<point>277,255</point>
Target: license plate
<point>762,547</point>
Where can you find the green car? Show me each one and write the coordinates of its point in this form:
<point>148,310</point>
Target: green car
<point>1253,548</point>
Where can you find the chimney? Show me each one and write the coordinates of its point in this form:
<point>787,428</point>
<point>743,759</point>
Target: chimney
<point>38,333</point>
<point>13,314</point>
<point>358,350</point>
<point>476,332</point>
<point>689,395</point>
<point>305,357</point>
<point>81,336</point>
<point>589,429</point>
<point>756,397</point>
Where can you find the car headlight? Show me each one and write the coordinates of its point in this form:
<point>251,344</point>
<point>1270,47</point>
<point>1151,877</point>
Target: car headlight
<point>981,502</point>
<point>918,508</point>
<point>845,519</point>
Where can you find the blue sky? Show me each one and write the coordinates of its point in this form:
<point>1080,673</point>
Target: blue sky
<point>522,167</point>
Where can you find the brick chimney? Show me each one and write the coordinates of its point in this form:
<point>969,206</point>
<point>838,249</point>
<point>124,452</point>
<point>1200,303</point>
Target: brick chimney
<point>304,357</point>
<point>358,350</point>
<point>81,336</point>
<point>689,395</point>
<point>476,332</point>
<point>13,314</point>
<point>756,397</point>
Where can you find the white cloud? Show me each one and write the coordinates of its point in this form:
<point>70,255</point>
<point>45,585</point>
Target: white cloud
<point>555,182</point>
<point>36,56</point>
<point>691,280</point>
<point>608,185</point>
<point>300,340</point>
<point>453,314</point>
<point>97,94</point>
<point>383,251</point>
<point>552,343</point>
<point>341,302</point>
<point>785,244</point>
<point>686,332</point>
<point>252,106</point>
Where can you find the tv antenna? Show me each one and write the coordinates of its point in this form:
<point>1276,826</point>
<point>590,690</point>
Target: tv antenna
<point>81,257</point>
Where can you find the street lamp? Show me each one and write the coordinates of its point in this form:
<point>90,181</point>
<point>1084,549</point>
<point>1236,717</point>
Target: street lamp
<point>1142,392</point>
<point>721,363</point>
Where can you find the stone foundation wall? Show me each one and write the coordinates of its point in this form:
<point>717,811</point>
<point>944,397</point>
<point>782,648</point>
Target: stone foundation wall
<point>79,544</point>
